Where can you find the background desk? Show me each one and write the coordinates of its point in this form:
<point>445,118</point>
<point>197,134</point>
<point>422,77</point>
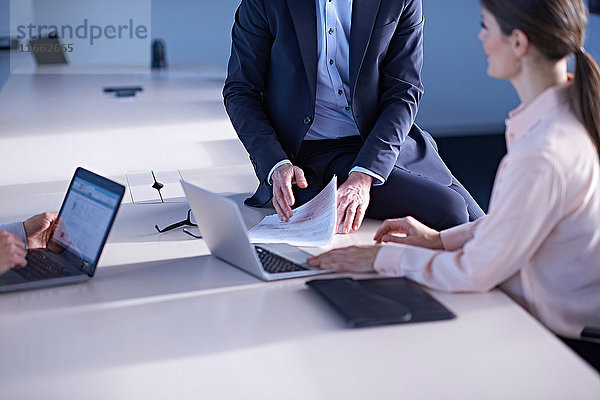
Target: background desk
<point>163,319</point>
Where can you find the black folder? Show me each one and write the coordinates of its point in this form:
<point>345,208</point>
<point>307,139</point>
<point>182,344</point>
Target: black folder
<point>382,301</point>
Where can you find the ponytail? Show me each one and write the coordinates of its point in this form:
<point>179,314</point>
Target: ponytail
<point>587,94</point>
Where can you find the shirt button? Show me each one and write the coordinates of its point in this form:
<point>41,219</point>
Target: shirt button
<point>340,91</point>
<point>331,31</point>
<point>307,120</point>
<point>330,62</point>
<point>347,108</point>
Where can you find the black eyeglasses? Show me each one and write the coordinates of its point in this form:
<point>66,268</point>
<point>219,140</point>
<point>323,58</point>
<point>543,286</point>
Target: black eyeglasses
<point>185,222</point>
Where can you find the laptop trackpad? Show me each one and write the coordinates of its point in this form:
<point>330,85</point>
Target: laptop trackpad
<point>288,252</point>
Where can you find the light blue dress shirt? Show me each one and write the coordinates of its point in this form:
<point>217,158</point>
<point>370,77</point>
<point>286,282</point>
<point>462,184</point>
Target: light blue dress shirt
<point>16,228</point>
<point>333,114</point>
<point>333,117</point>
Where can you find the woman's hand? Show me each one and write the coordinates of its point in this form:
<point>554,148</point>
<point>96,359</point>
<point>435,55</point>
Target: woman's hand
<point>409,231</point>
<point>349,259</point>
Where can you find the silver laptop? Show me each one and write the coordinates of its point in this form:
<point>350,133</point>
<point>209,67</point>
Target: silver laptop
<point>83,224</point>
<point>224,231</point>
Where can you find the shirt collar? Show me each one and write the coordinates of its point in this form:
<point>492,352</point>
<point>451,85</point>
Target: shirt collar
<point>524,118</point>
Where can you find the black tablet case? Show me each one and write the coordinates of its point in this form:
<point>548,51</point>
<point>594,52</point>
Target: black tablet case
<point>382,301</point>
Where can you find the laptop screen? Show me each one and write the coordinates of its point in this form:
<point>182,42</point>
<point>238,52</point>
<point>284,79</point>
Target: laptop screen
<point>85,219</point>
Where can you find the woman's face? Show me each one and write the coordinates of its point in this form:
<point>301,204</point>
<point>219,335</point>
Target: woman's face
<point>502,62</point>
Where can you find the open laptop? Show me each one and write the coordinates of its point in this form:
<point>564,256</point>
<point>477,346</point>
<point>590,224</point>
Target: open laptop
<point>224,231</point>
<point>84,221</point>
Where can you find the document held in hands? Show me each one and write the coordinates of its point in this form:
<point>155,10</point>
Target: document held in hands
<point>313,224</point>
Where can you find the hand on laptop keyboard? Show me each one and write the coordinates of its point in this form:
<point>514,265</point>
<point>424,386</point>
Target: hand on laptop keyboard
<point>12,251</point>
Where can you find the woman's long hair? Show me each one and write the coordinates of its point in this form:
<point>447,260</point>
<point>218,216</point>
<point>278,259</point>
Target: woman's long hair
<point>557,29</point>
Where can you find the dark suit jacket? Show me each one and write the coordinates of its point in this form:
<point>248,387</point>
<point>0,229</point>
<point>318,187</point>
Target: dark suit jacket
<point>270,88</point>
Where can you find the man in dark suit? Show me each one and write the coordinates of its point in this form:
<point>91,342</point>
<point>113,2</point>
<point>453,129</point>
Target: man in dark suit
<point>318,88</point>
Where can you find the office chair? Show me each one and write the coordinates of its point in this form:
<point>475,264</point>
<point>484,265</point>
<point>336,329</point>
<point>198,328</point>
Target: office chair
<point>588,350</point>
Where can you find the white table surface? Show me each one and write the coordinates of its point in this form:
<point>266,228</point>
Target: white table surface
<point>164,319</point>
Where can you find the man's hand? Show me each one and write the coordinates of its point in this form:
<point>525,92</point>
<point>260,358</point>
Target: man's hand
<point>283,178</point>
<point>413,233</point>
<point>349,259</point>
<point>353,199</point>
<point>12,252</point>
<point>38,229</point>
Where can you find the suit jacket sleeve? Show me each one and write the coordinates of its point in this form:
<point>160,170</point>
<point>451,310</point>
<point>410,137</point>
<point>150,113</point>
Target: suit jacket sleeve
<point>245,84</point>
<point>400,94</point>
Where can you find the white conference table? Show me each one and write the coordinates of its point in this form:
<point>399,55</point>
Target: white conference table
<point>164,319</point>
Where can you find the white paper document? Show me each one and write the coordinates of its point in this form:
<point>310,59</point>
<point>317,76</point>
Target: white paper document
<point>312,224</point>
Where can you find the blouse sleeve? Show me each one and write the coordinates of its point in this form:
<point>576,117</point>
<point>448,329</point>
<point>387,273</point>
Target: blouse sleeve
<point>526,205</point>
<point>455,238</point>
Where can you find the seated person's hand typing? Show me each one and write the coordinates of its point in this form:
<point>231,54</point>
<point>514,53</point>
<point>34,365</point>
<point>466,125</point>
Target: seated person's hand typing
<point>12,252</point>
<point>38,230</point>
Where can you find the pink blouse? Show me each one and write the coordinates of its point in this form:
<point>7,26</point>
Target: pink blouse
<point>541,238</point>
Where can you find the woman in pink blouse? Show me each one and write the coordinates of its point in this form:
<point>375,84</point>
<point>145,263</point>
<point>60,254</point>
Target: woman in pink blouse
<point>541,239</point>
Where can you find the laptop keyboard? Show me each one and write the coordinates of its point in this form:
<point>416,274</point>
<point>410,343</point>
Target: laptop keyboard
<point>40,267</point>
<point>273,264</point>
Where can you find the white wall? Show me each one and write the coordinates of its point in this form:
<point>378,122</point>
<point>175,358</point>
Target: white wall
<point>195,30</point>
<point>4,17</point>
<point>73,13</point>
<point>459,97</point>
<point>21,12</point>
<point>126,49</point>
<point>4,31</point>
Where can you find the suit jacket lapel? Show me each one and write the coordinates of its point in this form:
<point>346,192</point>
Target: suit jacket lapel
<point>304,15</point>
<point>363,19</point>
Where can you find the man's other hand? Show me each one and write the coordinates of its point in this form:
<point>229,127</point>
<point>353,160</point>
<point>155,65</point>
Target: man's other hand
<point>12,252</point>
<point>38,229</point>
<point>353,199</point>
<point>283,178</point>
